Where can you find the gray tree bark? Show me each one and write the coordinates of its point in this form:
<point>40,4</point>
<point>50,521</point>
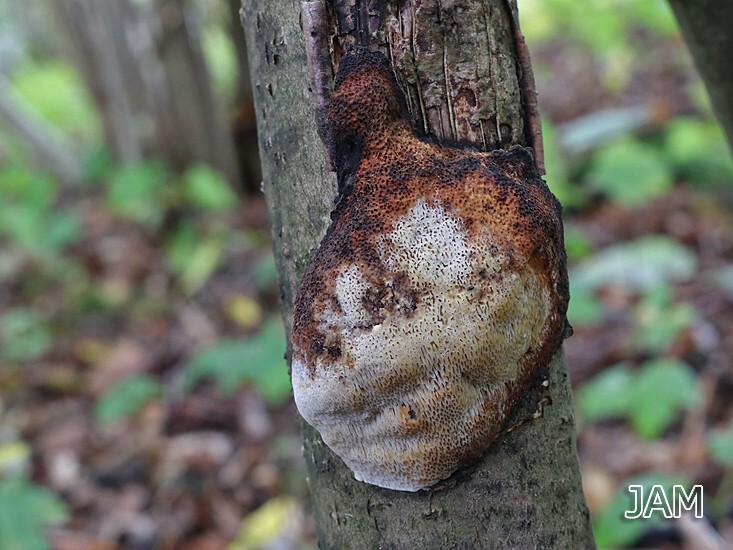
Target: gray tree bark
<point>459,64</point>
<point>145,70</point>
<point>706,26</point>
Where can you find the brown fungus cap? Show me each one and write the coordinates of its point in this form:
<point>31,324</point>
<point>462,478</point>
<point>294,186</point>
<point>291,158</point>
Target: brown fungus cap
<point>438,293</point>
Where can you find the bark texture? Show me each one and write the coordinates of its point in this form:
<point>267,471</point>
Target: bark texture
<point>458,64</point>
<point>706,26</point>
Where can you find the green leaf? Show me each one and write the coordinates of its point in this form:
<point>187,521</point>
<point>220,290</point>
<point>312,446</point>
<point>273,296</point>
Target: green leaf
<point>257,360</point>
<point>585,309</point>
<point>658,321</point>
<point>202,262</point>
<point>127,397</point>
<point>613,530</point>
<point>656,16</point>
<point>25,510</point>
<point>62,229</point>
<point>206,188</point>
<point>221,59</point>
<point>577,243</point>
<point>97,164</point>
<point>557,172</point>
<point>698,150</point>
<point>68,107</point>
<point>24,335</point>
<point>651,398</point>
<point>720,443</point>
<point>263,526</point>
<point>135,192</point>
<point>181,246</point>
<point>661,390</point>
<point>638,265</point>
<point>606,395</point>
<point>34,190</point>
<point>14,456</point>
<point>27,216</point>
<point>630,173</point>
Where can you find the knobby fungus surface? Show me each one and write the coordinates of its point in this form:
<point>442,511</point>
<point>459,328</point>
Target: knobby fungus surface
<point>438,293</point>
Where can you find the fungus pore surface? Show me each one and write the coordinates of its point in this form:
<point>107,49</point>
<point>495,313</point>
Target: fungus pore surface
<point>438,293</point>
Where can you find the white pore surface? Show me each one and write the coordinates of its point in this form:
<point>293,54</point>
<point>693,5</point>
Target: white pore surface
<point>408,394</point>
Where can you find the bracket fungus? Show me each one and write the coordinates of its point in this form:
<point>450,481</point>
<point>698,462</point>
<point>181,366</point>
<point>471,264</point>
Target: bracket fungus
<point>437,295</point>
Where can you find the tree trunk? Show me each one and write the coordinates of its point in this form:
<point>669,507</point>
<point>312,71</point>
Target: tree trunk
<point>147,75</point>
<point>706,26</point>
<point>199,124</point>
<point>460,67</point>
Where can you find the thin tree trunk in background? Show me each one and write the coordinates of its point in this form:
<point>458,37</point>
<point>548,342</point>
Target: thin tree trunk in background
<point>244,127</point>
<point>194,113</point>
<point>244,81</point>
<point>461,72</point>
<point>145,69</point>
<point>97,56</point>
<point>707,26</point>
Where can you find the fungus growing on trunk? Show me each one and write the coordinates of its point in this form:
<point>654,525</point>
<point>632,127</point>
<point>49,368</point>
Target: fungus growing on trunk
<point>437,295</point>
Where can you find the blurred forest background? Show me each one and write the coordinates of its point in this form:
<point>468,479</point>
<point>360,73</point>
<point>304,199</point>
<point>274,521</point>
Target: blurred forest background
<point>144,398</point>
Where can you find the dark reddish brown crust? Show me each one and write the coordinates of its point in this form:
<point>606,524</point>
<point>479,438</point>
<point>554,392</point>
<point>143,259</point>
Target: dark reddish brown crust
<point>383,170</point>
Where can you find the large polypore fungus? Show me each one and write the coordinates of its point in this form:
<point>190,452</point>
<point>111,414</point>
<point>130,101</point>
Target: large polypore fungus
<point>436,296</point>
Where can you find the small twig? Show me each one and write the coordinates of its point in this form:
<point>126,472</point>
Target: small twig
<point>545,401</point>
<point>318,50</point>
<point>698,534</point>
<point>529,93</point>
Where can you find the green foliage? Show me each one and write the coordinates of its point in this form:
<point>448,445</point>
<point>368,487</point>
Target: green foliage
<point>659,321</point>
<point>14,457</point>
<point>127,397</point>
<point>603,26</point>
<point>207,189</point>
<point>24,335</point>
<point>585,309</point>
<point>577,243</point>
<point>262,527</point>
<point>181,245</point>
<point>621,392</point>
<point>221,59</point>
<point>697,150</point>
<point>257,360</point>
<point>25,509</point>
<point>97,165</point>
<point>27,214</point>
<point>613,530</point>
<point>653,411</point>
<point>723,277</point>
<point>135,192</point>
<point>145,192</point>
<point>630,172</point>
<point>720,443</point>
<point>638,265</point>
<point>265,272</point>
<point>194,255</point>
<point>558,171</point>
<point>55,91</point>
<point>606,394</point>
